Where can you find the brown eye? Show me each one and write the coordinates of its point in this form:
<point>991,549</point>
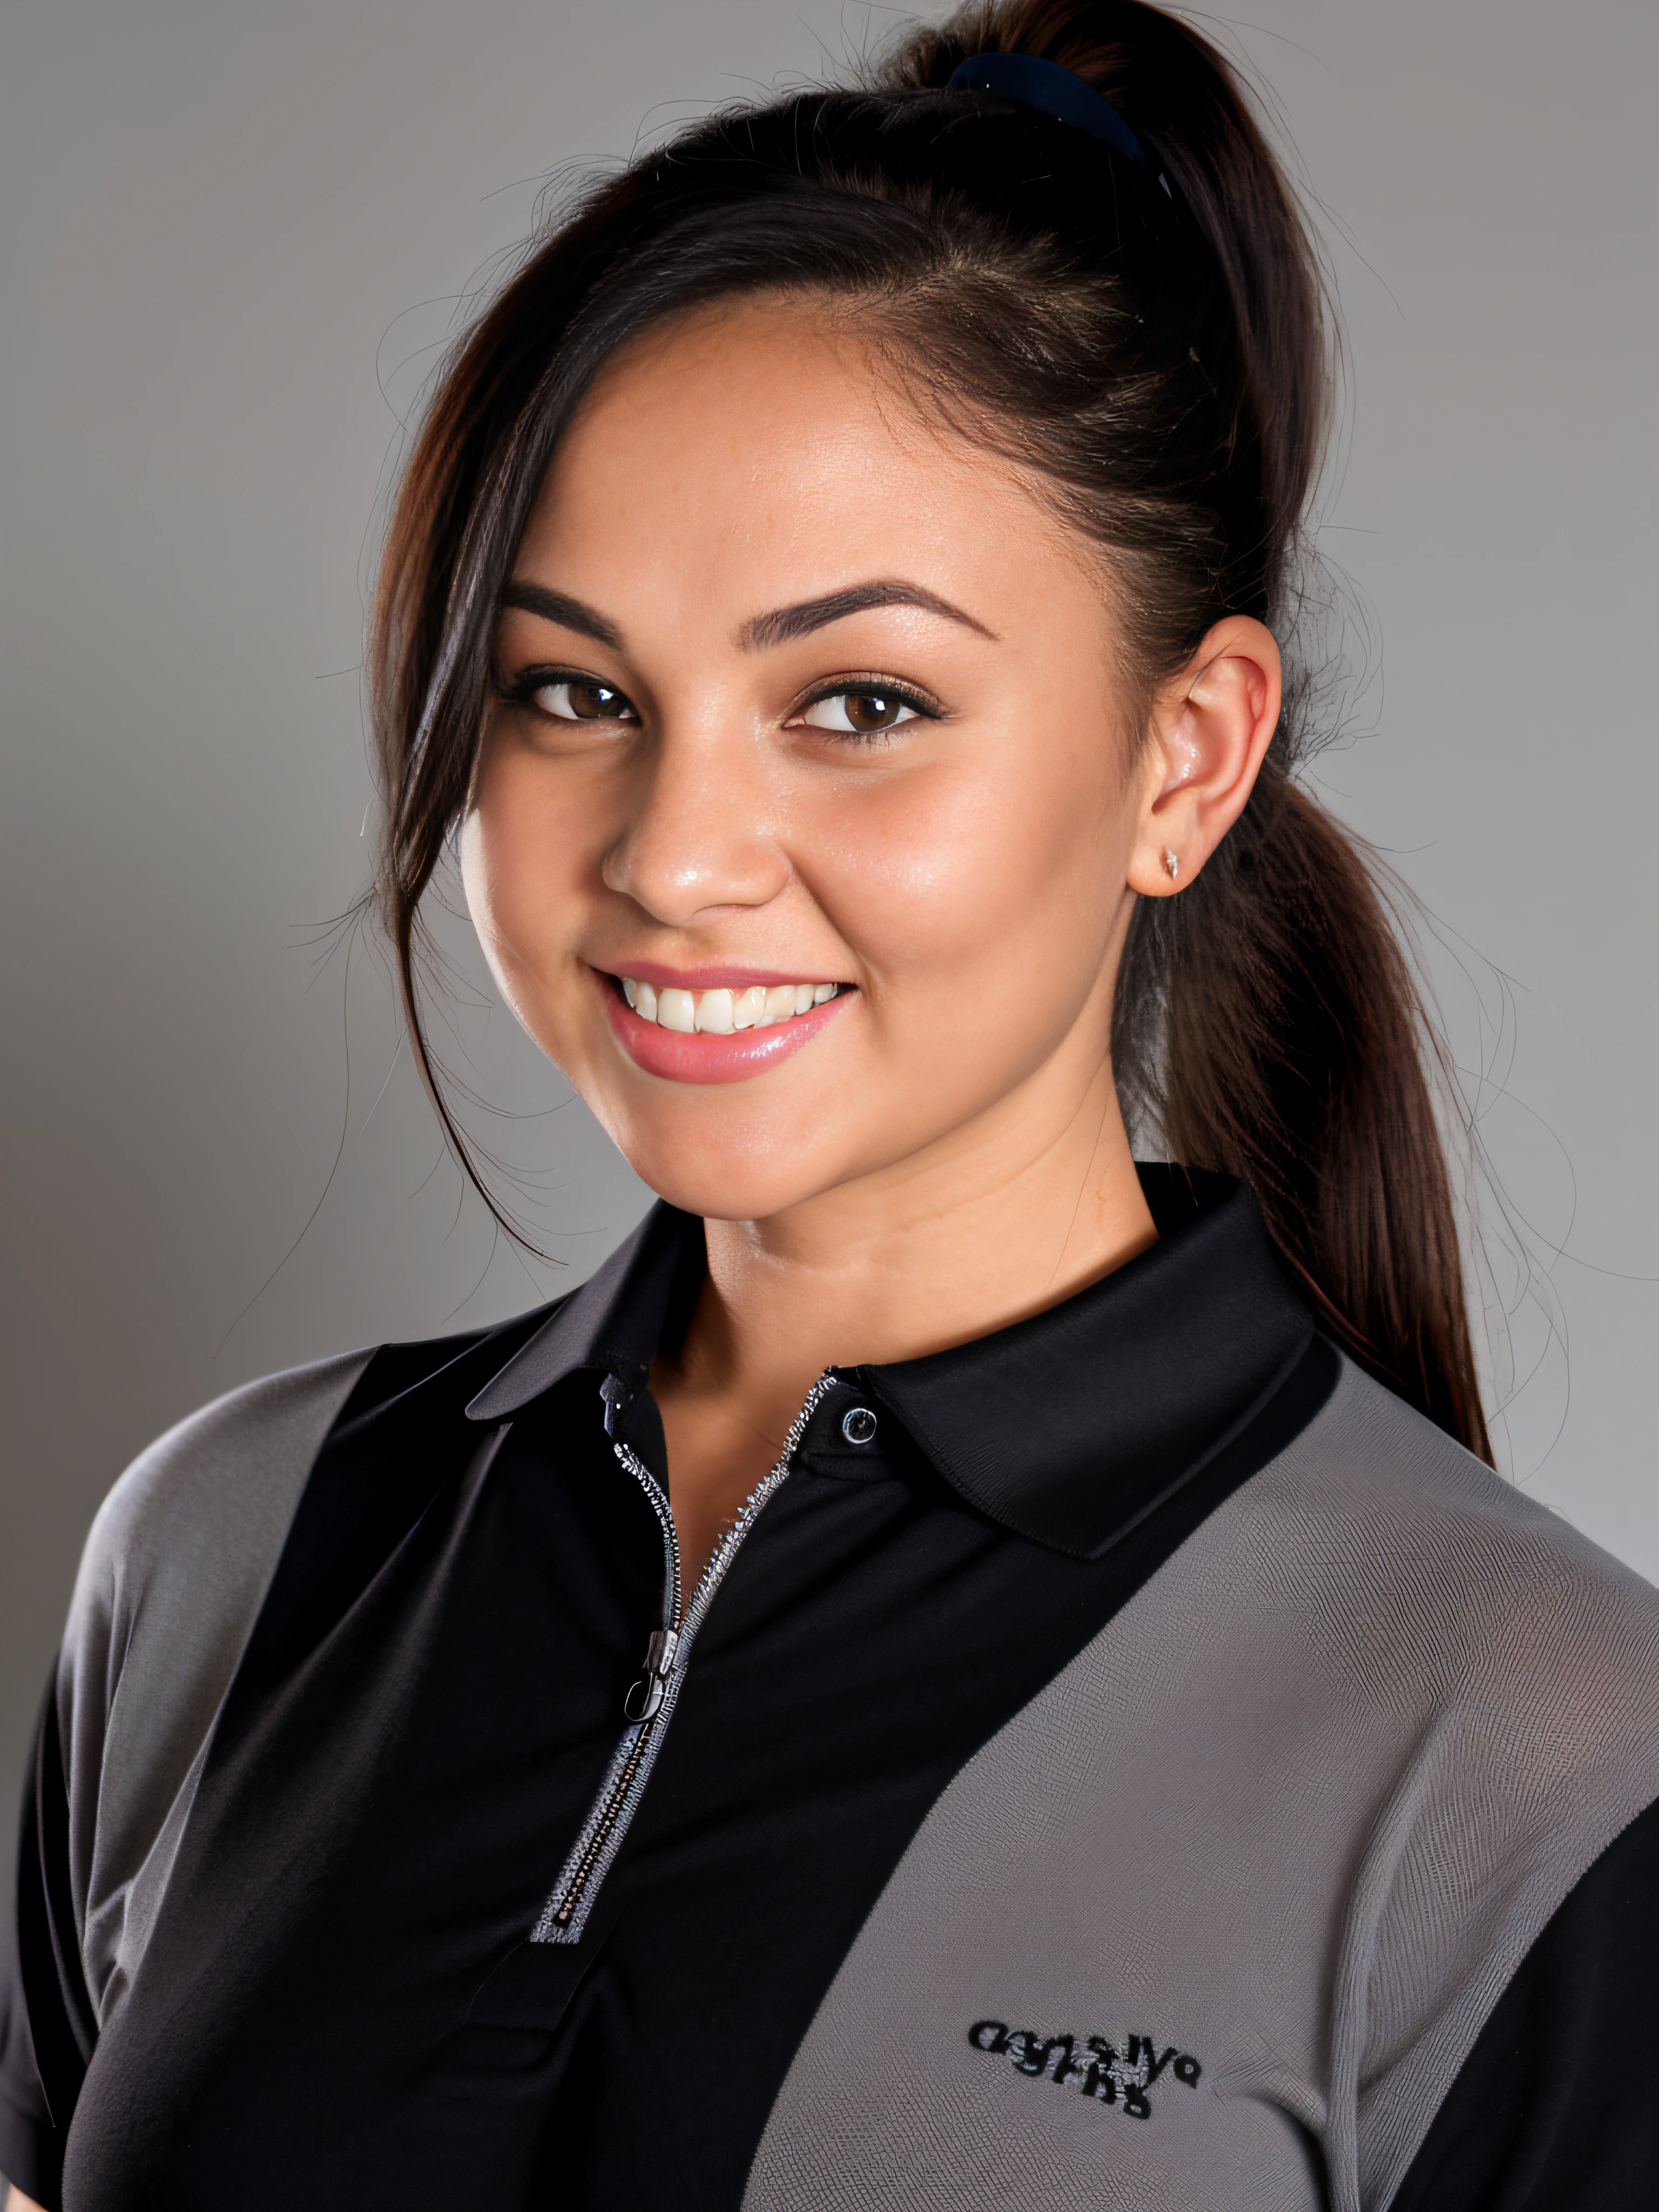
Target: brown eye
<point>576,699</point>
<point>859,713</point>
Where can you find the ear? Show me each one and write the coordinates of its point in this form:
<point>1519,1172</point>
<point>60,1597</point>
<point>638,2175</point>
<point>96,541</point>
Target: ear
<point>1211,728</point>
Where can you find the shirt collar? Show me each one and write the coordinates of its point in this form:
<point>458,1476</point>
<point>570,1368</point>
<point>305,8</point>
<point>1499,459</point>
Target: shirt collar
<point>1067,1427</point>
<point>615,1322</point>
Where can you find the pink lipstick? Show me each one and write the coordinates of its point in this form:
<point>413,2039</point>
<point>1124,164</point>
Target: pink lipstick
<point>715,1025</point>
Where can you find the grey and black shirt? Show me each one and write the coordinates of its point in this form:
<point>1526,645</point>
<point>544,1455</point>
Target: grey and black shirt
<point>1130,1761</point>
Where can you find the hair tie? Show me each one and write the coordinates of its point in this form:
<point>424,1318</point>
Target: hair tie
<point>1053,91</point>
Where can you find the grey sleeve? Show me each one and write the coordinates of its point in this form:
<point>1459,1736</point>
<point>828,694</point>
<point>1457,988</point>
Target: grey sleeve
<point>1554,2109</point>
<point>175,1569</point>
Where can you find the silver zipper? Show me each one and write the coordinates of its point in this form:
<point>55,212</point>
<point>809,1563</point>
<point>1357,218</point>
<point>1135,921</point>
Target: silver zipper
<point>650,1703</point>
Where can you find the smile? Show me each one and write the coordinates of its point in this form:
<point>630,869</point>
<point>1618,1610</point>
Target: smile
<point>723,1012</point>
<point>725,1032</point>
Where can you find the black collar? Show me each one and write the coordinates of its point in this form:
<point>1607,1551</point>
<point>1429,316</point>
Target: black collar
<point>1067,1428</point>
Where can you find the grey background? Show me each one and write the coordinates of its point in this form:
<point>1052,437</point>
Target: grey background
<point>233,236</point>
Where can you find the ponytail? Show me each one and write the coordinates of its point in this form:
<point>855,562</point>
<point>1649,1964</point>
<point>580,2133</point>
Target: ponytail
<point>1266,1023</point>
<point>1150,339</point>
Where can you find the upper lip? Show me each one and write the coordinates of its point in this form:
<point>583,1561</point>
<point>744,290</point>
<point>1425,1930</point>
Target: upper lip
<point>664,978</point>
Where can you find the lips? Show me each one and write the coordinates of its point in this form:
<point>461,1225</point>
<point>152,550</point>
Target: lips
<point>717,1054</point>
<point>724,1008</point>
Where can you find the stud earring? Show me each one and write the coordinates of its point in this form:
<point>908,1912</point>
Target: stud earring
<point>1171,864</point>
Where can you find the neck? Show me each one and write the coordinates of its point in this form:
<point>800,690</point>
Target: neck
<point>1010,1220</point>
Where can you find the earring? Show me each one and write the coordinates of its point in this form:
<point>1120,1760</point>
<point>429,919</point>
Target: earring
<point>1171,864</point>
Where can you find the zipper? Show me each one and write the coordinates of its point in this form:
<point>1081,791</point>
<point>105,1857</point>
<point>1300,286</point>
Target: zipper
<point>649,1704</point>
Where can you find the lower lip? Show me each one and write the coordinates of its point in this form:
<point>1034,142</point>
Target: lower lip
<point>699,1056</point>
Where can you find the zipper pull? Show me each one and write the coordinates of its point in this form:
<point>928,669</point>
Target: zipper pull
<point>645,1695</point>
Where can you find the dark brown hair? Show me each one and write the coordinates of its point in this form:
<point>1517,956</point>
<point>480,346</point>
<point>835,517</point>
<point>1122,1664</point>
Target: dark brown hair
<point>1151,341</point>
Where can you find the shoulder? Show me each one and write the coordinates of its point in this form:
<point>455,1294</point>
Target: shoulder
<point>1498,1673</point>
<point>175,1570</point>
<point>1426,1575</point>
<point>214,1485</point>
<point>175,1567</point>
<point>200,1516</point>
<point>1444,1608</point>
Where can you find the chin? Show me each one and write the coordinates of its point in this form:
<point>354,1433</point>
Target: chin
<point>727,1190</point>
<point>730,1167</point>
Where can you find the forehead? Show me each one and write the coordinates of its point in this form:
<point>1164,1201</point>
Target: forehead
<point>759,451</point>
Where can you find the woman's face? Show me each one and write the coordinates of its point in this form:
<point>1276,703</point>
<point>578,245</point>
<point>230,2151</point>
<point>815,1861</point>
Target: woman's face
<point>798,692</point>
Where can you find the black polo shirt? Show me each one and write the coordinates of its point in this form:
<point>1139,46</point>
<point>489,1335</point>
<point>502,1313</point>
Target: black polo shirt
<point>488,1866</point>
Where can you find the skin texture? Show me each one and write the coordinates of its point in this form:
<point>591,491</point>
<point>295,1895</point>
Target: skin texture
<point>946,1154</point>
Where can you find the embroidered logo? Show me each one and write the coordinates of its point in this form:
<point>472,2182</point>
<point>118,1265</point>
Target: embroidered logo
<point>1096,2067</point>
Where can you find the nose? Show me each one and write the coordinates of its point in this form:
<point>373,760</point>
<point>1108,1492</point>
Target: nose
<point>694,835</point>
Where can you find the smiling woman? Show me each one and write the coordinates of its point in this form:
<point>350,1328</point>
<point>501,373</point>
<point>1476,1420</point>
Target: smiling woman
<point>901,821</point>
<point>962,1669</point>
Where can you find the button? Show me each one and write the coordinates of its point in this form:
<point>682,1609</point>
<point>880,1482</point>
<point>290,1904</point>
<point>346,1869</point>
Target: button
<point>859,1426</point>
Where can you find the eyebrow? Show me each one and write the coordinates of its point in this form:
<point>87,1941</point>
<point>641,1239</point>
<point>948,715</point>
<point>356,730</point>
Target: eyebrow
<point>778,627</point>
<point>559,607</point>
<point>784,623</point>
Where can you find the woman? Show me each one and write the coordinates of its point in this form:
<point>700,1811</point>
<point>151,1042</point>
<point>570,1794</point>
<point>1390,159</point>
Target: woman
<point>958,1671</point>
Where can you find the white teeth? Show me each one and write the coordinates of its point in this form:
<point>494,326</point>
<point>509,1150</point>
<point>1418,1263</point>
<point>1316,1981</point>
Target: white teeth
<point>719,1012</point>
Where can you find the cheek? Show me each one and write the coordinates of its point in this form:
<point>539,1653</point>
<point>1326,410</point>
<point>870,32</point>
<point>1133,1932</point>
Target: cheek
<point>477,882</point>
<point>969,877</point>
<point>520,856</point>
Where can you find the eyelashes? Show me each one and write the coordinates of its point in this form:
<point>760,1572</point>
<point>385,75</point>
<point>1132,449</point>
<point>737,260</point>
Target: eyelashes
<point>863,707</point>
<point>567,694</point>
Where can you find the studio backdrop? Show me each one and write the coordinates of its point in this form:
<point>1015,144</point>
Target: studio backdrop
<point>237,239</point>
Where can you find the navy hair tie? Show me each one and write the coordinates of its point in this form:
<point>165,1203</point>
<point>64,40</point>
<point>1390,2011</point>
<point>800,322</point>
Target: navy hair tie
<point>1053,91</point>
